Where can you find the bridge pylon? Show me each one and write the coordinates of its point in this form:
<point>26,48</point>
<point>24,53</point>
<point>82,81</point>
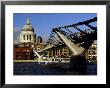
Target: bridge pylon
<point>75,50</point>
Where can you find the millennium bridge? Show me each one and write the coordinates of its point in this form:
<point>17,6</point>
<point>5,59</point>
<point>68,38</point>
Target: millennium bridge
<point>65,36</point>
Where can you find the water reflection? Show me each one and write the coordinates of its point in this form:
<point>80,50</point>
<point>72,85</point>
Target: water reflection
<point>34,68</point>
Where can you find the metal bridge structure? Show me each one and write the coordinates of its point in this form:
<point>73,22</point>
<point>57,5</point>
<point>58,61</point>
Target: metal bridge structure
<point>77,37</point>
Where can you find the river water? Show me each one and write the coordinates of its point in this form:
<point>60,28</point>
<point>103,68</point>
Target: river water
<point>34,68</point>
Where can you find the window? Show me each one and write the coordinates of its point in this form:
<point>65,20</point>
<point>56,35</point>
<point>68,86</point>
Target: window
<point>27,37</point>
<point>24,37</point>
<point>94,52</point>
<point>30,37</point>
<point>56,59</point>
<point>94,57</point>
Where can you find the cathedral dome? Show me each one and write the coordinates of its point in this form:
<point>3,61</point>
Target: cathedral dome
<point>28,27</point>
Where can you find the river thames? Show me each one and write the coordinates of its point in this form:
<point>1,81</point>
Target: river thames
<point>34,68</point>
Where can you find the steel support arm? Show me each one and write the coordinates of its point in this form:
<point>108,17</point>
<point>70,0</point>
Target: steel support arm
<point>76,50</point>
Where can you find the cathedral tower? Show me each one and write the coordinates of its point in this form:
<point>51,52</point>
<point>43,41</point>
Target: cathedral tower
<point>27,34</point>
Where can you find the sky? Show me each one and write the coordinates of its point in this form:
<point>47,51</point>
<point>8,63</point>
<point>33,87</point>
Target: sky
<point>44,22</point>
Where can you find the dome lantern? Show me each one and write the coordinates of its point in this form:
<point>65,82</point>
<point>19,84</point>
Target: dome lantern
<point>27,26</point>
<point>27,21</point>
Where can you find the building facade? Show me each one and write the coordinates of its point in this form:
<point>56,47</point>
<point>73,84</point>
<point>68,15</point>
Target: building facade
<point>23,53</point>
<point>40,43</point>
<point>91,54</point>
<point>61,52</point>
<point>39,40</point>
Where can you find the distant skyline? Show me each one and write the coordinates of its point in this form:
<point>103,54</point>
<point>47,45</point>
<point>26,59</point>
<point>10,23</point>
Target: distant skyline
<point>44,22</point>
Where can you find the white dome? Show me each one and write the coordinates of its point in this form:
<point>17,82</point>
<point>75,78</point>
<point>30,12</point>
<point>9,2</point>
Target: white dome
<point>28,28</point>
<point>27,34</point>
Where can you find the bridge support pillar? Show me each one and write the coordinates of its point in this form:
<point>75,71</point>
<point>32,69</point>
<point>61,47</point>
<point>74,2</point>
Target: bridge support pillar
<point>78,65</point>
<point>77,61</point>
